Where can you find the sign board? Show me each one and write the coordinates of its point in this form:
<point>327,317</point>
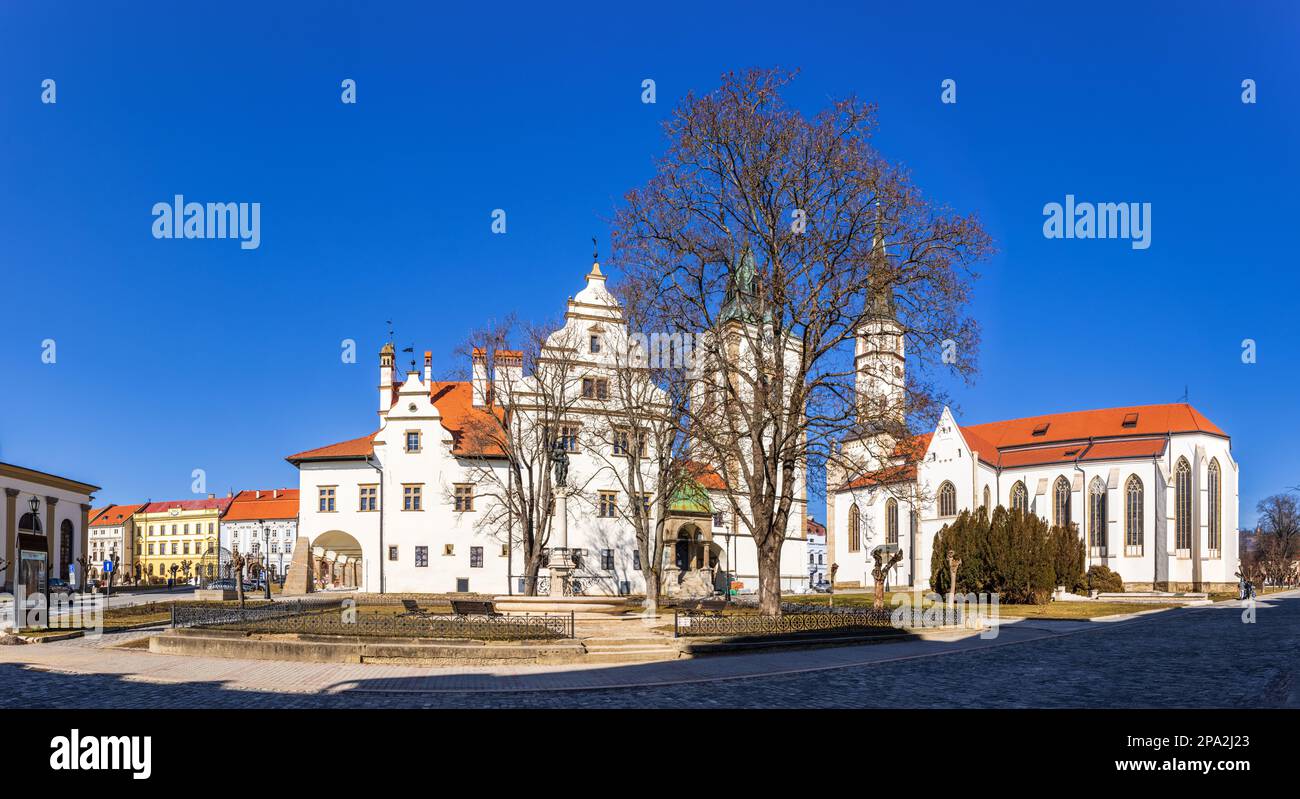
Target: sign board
<point>108,566</point>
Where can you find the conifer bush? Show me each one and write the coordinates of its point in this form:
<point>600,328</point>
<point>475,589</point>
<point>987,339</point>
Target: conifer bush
<point>1102,579</point>
<point>1013,554</point>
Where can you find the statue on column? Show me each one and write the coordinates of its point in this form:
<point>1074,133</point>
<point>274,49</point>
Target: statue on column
<point>560,463</point>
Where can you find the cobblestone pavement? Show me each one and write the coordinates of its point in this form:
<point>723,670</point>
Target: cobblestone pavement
<point>1196,657</point>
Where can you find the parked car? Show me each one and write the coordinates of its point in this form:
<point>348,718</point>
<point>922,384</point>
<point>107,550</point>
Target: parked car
<point>824,587</point>
<point>60,586</point>
<point>228,584</point>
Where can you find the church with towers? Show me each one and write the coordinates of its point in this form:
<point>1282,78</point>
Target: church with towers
<point>1152,489</point>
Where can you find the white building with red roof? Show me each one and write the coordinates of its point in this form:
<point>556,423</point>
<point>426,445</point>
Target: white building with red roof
<point>263,525</point>
<point>415,506</point>
<point>1151,488</point>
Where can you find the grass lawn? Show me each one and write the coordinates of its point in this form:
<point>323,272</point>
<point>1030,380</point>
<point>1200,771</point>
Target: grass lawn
<point>1052,610</point>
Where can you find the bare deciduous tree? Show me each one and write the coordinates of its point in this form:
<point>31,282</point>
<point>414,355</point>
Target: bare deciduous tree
<point>528,384</point>
<point>772,240</point>
<point>1278,538</point>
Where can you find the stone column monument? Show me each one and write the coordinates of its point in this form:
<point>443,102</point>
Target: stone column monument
<point>561,560</point>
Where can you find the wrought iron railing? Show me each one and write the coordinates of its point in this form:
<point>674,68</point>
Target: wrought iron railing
<point>205,615</point>
<point>695,623</point>
<point>346,623</point>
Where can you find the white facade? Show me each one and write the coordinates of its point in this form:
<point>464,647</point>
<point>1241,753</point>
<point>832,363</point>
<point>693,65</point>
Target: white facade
<point>56,539</point>
<point>1152,489</point>
<point>274,537</point>
<point>389,499</point>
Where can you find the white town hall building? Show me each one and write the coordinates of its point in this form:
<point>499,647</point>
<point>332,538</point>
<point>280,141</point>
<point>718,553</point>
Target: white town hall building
<point>403,509</point>
<point>1152,488</point>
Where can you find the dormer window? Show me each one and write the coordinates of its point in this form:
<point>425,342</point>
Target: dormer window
<point>1130,420</point>
<point>595,344</point>
<point>1041,430</point>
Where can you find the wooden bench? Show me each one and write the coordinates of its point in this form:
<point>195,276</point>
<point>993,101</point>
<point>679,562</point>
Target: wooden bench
<point>713,607</point>
<point>473,607</point>
<point>412,608</point>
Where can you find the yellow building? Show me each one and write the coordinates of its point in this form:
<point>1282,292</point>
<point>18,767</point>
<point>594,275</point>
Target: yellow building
<point>177,533</point>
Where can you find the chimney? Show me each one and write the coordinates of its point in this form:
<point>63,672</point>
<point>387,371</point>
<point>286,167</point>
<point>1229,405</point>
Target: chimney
<point>479,377</point>
<point>428,366</point>
<point>212,496</point>
<point>385,379</point>
<point>275,494</point>
<point>258,494</point>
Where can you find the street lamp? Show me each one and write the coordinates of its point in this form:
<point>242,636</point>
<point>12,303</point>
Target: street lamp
<point>34,503</point>
<point>266,557</point>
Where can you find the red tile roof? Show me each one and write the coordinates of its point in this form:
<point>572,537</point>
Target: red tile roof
<point>219,504</point>
<point>112,515</point>
<point>362,447</point>
<point>1103,423</point>
<point>474,431</point>
<point>274,503</point>
<point>705,476</point>
<point>1065,437</point>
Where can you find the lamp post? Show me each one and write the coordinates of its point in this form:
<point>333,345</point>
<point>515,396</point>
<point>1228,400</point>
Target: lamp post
<point>34,503</point>
<point>266,558</point>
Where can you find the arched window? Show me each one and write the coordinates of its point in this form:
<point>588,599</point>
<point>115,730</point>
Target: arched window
<point>65,545</point>
<point>1183,508</point>
<point>891,521</point>
<point>855,529</point>
<point>987,508</point>
<point>1019,497</point>
<point>1097,517</point>
<point>1212,486</point>
<point>1133,516</point>
<point>947,499</point>
<point>28,523</point>
<point>1061,502</point>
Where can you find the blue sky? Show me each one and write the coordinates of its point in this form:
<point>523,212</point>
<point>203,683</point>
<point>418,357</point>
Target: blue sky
<point>177,355</point>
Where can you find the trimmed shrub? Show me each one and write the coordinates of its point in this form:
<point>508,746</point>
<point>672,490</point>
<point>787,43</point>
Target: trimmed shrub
<point>1068,558</point>
<point>1103,579</point>
<point>1011,554</point>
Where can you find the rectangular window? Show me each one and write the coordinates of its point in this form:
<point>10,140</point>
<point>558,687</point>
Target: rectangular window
<point>719,520</point>
<point>369,497</point>
<point>421,556</point>
<point>595,388</point>
<point>607,560</point>
<point>476,557</point>
<point>186,529</point>
<point>608,504</point>
<point>392,553</point>
<point>186,548</point>
<point>411,497</point>
<point>448,550</point>
<point>462,585</point>
<point>326,499</point>
<point>595,344</point>
<point>150,548</point>
<point>464,498</point>
<point>569,437</point>
<point>174,548</point>
<point>636,560</point>
<point>412,440</point>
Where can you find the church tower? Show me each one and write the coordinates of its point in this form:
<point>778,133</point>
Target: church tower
<point>880,367</point>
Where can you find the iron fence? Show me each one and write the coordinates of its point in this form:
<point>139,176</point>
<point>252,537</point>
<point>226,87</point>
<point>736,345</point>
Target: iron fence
<point>207,615</point>
<point>485,628</point>
<point>696,623</point>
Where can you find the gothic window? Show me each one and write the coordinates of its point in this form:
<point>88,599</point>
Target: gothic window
<point>1183,507</point>
<point>1019,497</point>
<point>986,500</point>
<point>1133,516</point>
<point>891,521</point>
<point>1061,502</point>
<point>855,529</point>
<point>947,499</point>
<point>1097,517</point>
<point>1212,486</point>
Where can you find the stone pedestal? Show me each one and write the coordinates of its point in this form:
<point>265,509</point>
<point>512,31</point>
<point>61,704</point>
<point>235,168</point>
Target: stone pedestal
<point>300,580</point>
